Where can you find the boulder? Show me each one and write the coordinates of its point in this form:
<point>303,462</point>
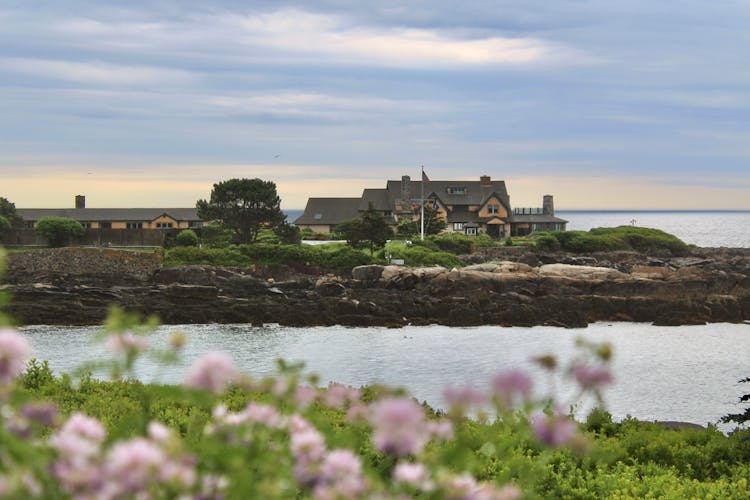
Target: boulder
<point>580,272</point>
<point>368,273</point>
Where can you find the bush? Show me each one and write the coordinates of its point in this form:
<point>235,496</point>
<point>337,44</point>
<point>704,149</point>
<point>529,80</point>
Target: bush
<point>59,231</point>
<point>417,255</point>
<point>455,243</point>
<point>187,238</point>
<point>547,243</point>
<point>640,239</point>
<point>288,234</point>
<point>4,226</point>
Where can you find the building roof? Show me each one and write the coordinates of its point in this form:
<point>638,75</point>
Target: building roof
<point>109,214</point>
<point>380,199</point>
<point>329,210</point>
<point>474,192</point>
<point>536,218</point>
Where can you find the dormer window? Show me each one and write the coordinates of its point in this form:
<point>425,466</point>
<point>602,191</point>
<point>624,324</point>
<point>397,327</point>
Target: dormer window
<point>456,190</point>
<point>318,216</point>
<point>493,208</point>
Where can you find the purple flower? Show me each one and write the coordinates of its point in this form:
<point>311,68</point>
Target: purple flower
<point>263,414</point>
<point>338,395</point>
<point>591,377</point>
<point>508,385</point>
<point>463,397</point>
<point>14,349</point>
<point>555,430</point>
<point>305,395</point>
<point>131,465</point>
<point>340,476</point>
<point>126,342</point>
<point>414,474</point>
<point>41,413</point>
<point>213,371</point>
<point>398,426</point>
<point>80,436</point>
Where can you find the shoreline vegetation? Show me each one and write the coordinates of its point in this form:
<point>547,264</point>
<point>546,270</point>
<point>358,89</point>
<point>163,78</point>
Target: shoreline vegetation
<point>224,434</point>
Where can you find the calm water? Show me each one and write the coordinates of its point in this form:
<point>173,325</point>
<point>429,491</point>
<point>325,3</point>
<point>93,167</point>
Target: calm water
<point>705,229</point>
<point>687,373</point>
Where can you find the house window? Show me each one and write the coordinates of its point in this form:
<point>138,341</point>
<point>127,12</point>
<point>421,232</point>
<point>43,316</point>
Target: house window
<point>493,208</point>
<point>456,190</point>
<point>105,225</point>
<point>458,226</point>
<point>164,225</point>
<point>134,225</point>
<point>318,216</point>
<point>471,231</point>
<point>86,225</point>
<point>195,223</point>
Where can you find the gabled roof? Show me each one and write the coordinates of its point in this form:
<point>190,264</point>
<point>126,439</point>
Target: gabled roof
<point>475,192</point>
<point>329,210</point>
<point>110,214</point>
<point>379,198</point>
<point>503,200</point>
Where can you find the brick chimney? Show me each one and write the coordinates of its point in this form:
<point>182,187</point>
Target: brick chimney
<point>548,206</point>
<point>485,180</point>
<point>406,190</point>
<point>80,201</point>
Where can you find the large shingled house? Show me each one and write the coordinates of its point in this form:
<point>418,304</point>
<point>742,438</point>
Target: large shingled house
<point>469,207</point>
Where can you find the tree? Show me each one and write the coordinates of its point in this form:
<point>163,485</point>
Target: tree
<point>368,230</point>
<point>288,234</point>
<point>8,210</point>
<point>187,238</point>
<point>59,230</point>
<point>433,223</point>
<point>4,226</point>
<point>244,206</point>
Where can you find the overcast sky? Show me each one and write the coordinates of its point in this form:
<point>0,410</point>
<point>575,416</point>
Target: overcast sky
<point>605,104</point>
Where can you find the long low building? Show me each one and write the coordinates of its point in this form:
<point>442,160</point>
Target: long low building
<point>468,207</point>
<point>117,218</point>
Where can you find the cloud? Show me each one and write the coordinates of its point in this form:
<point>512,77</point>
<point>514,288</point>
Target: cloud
<point>295,31</point>
<point>96,72</point>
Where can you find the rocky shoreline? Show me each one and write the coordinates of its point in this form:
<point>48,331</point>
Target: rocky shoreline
<point>520,289</point>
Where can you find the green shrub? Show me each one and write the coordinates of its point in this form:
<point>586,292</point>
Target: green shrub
<point>186,238</point>
<point>59,231</point>
<point>455,243</point>
<point>640,239</point>
<point>547,243</point>
<point>4,226</point>
<point>418,255</point>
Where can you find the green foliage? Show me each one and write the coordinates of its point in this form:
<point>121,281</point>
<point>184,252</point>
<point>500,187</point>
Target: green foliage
<point>288,234</point>
<point>433,222</point>
<point>187,238</point>
<point>547,243</point>
<point>407,228</point>
<point>243,206</point>
<point>743,417</point>
<point>4,226</point>
<point>216,236</point>
<point>640,239</point>
<point>337,257</point>
<point>59,231</point>
<point>418,254</point>
<point>369,230</point>
<point>8,211</point>
<point>455,243</point>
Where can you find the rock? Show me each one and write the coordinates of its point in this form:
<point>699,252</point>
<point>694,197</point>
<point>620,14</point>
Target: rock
<point>580,272</point>
<point>650,272</point>
<point>368,273</point>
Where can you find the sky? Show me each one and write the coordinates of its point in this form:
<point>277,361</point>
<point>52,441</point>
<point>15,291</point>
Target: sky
<point>604,104</point>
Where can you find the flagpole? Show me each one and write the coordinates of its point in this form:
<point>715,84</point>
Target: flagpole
<point>421,218</point>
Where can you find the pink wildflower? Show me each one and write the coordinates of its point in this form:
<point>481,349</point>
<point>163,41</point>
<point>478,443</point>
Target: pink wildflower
<point>508,385</point>
<point>41,413</point>
<point>159,432</point>
<point>305,395</point>
<point>398,426</point>
<point>338,395</point>
<point>14,349</point>
<point>463,397</point>
<point>591,377</point>
<point>126,342</point>
<point>263,414</point>
<point>555,430</point>
<point>213,371</point>
<point>80,436</point>
<point>441,429</point>
<point>414,474</point>
<point>132,465</point>
<point>340,476</point>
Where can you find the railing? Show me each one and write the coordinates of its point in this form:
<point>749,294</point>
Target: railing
<point>528,211</point>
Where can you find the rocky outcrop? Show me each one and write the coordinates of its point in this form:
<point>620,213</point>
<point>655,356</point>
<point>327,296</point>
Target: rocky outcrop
<point>667,292</point>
